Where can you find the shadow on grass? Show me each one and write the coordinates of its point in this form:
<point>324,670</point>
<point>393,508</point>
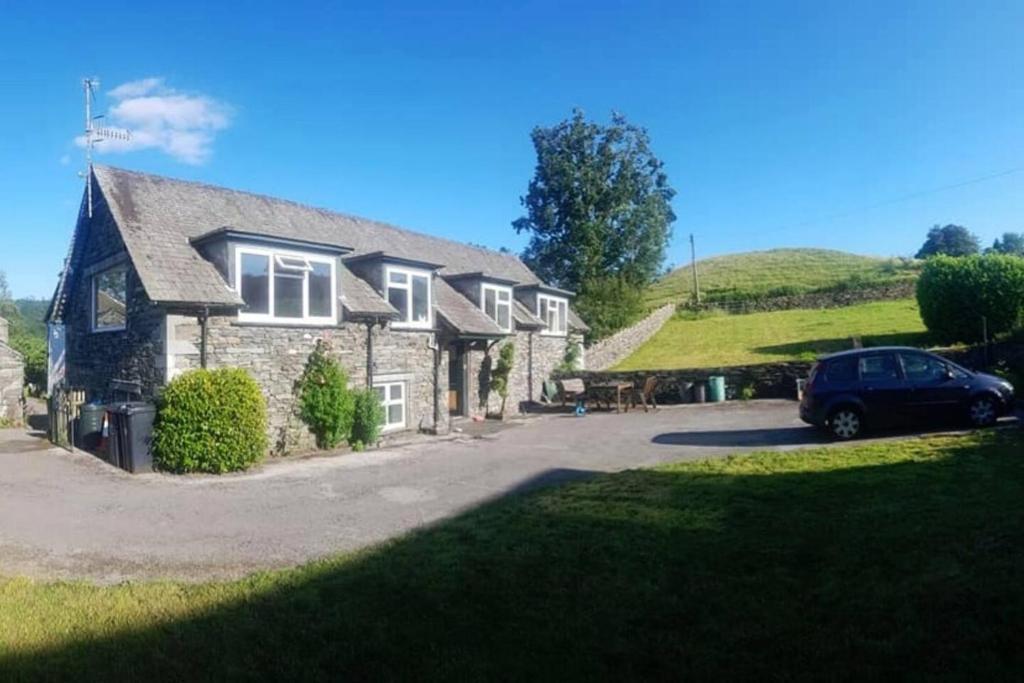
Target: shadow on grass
<point>813,348</point>
<point>880,567</point>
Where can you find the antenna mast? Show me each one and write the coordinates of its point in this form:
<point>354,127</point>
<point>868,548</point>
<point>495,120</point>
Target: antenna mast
<point>94,134</point>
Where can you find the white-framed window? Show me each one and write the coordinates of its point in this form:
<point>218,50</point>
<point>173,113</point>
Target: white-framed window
<point>110,299</point>
<point>553,310</point>
<point>496,302</point>
<point>392,397</point>
<point>285,286</point>
<point>408,291</point>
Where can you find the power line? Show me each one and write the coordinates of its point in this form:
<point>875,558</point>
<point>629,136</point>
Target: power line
<point>897,200</point>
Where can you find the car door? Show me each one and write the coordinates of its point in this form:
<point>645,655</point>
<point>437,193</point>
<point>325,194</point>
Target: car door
<point>936,393</point>
<point>884,390</point>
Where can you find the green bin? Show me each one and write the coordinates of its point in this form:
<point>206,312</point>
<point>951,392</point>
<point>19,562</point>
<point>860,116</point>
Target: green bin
<point>716,388</point>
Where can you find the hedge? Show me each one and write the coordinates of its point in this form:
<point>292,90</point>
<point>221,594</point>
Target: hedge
<point>960,296</point>
<point>210,421</point>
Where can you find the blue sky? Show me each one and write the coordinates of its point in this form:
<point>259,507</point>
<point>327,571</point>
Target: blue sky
<point>827,124</point>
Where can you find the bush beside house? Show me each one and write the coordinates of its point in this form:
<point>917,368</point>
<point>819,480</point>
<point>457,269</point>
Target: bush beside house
<point>325,401</point>
<point>210,421</point>
<point>961,298</point>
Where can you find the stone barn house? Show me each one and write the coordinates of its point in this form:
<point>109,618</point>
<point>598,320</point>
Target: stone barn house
<point>168,275</point>
<point>12,379</point>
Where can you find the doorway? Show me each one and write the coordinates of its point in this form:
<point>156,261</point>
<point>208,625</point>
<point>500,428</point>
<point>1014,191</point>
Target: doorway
<point>456,379</point>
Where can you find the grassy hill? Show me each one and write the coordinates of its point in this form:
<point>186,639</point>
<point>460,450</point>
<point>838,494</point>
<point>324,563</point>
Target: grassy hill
<point>716,340</point>
<point>779,271</point>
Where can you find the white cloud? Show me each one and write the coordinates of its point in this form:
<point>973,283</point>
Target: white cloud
<point>181,125</point>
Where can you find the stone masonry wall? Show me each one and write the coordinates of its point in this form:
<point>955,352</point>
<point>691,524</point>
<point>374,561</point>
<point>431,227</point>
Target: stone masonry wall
<point>276,356</point>
<point>608,352</point>
<point>548,354</point>
<point>134,354</point>
<point>12,378</point>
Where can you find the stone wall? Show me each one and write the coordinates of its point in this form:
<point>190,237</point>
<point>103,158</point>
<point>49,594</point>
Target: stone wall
<point>12,379</point>
<point>835,298</point>
<point>619,346</point>
<point>276,356</point>
<point>778,380</point>
<point>533,351</point>
<point>134,354</point>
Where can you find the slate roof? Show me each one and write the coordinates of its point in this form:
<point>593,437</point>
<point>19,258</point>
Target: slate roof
<point>360,301</point>
<point>460,313</point>
<point>158,216</point>
<point>524,319</point>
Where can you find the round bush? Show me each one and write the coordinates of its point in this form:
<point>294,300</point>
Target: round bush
<point>210,421</point>
<point>367,419</point>
<point>955,294</point>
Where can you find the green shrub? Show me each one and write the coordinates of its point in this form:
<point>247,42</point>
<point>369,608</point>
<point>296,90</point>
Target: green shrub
<point>608,305</point>
<point>501,372</point>
<point>210,421</point>
<point>367,419</point>
<point>33,351</point>
<point>571,359</point>
<point>956,294</point>
<point>325,401</point>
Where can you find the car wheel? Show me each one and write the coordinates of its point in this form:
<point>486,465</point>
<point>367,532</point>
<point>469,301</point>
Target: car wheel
<point>982,411</point>
<point>845,424</point>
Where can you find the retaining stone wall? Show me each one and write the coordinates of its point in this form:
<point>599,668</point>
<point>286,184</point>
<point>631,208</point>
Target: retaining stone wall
<point>619,346</point>
<point>548,354</point>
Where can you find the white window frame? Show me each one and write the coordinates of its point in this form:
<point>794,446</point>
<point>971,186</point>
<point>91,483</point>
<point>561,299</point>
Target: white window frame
<point>558,302</point>
<point>498,290</point>
<point>409,273</point>
<point>388,402</point>
<point>275,260</point>
<point>95,293</point>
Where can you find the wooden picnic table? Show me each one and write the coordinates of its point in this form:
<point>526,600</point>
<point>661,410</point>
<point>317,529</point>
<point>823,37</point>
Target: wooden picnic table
<point>609,389</point>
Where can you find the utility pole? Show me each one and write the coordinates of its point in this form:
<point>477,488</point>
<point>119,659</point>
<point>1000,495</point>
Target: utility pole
<point>693,264</point>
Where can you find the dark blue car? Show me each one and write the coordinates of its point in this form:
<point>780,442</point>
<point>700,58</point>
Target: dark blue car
<point>851,391</point>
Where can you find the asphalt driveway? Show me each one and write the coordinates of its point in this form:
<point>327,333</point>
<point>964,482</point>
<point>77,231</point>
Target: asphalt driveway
<point>68,515</point>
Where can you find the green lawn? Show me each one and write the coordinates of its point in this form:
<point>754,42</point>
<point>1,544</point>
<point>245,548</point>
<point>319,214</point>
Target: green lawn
<point>869,562</point>
<point>760,273</point>
<point>717,340</point>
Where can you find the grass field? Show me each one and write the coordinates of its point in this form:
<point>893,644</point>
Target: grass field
<point>871,562</point>
<point>759,273</point>
<point>688,341</point>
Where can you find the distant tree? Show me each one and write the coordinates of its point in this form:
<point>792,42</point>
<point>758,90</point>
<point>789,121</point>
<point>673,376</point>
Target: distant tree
<point>598,204</point>
<point>951,240</point>
<point>8,309</point>
<point>1012,243</point>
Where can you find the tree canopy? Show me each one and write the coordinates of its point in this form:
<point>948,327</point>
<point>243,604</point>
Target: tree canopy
<point>1011,243</point>
<point>598,205</point>
<point>951,240</point>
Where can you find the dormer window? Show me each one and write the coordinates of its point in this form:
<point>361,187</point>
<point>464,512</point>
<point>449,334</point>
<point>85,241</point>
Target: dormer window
<point>553,311</point>
<point>408,290</point>
<point>496,303</point>
<point>279,286</point>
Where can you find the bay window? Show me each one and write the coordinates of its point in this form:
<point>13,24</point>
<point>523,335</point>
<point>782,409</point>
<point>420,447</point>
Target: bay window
<point>553,311</point>
<point>496,302</point>
<point>285,286</point>
<point>408,291</point>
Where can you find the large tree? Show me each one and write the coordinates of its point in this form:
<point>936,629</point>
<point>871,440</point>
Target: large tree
<point>598,205</point>
<point>1012,243</point>
<point>951,240</point>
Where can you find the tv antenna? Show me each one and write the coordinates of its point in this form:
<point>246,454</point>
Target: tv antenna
<point>95,134</point>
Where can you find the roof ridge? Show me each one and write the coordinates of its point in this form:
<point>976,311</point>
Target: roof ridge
<point>309,207</point>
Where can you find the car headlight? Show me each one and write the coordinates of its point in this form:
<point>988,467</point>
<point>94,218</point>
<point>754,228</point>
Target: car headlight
<point>1006,388</point>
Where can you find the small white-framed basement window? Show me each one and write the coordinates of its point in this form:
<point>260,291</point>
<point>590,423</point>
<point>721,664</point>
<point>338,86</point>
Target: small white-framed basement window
<point>496,302</point>
<point>110,299</point>
<point>408,290</point>
<point>553,311</point>
<point>392,397</point>
<point>285,286</point>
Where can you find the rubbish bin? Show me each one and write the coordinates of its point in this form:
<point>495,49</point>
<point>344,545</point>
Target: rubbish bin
<point>699,392</point>
<point>131,434</point>
<point>90,426</point>
<point>716,388</point>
